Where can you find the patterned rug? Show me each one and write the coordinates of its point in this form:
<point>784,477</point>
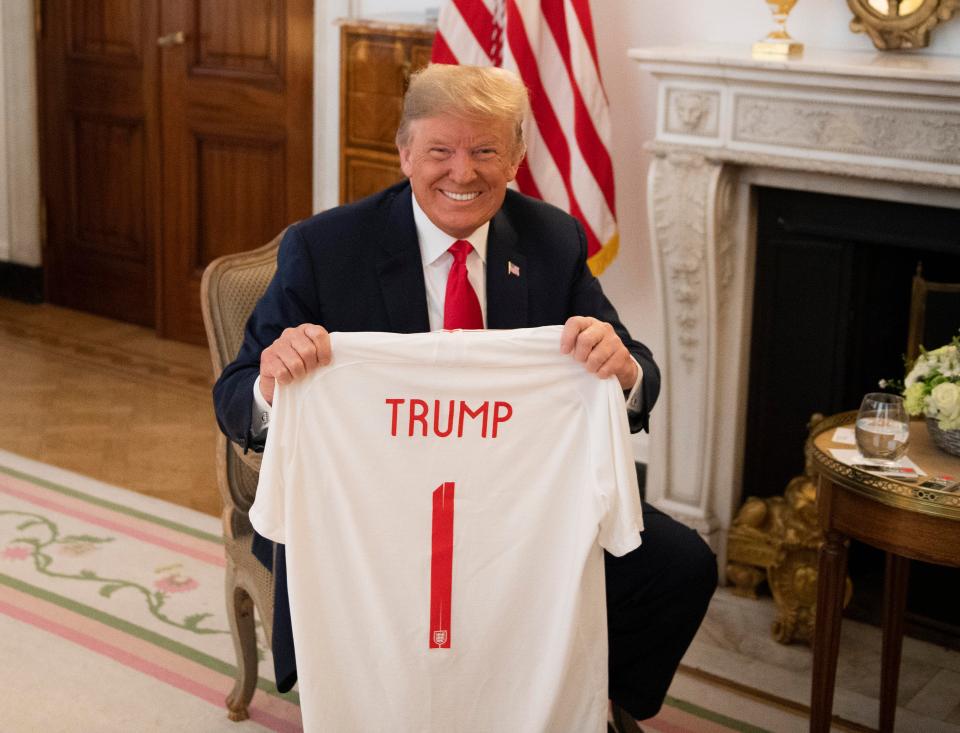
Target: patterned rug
<point>112,616</point>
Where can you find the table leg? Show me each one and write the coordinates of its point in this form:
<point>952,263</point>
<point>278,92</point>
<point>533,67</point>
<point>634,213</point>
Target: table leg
<point>831,578</point>
<point>895,582</point>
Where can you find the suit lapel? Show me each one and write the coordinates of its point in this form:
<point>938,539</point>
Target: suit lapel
<point>400,268</point>
<point>506,276</point>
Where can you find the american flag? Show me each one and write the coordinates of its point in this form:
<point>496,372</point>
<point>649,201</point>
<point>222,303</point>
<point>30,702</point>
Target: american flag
<point>550,44</point>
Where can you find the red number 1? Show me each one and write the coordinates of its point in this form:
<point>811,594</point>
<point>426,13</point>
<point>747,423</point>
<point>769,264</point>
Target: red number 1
<point>441,566</point>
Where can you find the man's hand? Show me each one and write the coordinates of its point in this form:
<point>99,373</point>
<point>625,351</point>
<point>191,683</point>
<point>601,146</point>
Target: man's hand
<point>298,351</point>
<point>598,346</point>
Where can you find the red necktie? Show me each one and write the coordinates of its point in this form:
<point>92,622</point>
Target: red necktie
<point>461,309</point>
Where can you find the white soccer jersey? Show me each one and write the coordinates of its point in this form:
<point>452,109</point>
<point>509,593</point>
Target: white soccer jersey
<point>444,498</point>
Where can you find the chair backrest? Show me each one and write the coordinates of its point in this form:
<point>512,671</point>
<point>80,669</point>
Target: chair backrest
<point>934,314</point>
<point>230,288</point>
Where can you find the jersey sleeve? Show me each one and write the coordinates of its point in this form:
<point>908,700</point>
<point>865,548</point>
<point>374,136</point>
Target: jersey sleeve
<point>267,514</point>
<point>621,520</point>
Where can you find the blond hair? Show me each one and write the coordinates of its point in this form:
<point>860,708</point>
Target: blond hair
<point>477,93</point>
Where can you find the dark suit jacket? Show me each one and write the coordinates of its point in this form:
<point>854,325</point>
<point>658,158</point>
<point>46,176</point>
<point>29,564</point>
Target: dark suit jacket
<point>358,268</point>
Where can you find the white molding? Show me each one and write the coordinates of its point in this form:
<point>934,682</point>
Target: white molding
<point>4,178</point>
<point>20,240</point>
<point>326,100</point>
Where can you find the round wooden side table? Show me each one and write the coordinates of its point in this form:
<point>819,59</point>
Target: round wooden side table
<point>903,519</point>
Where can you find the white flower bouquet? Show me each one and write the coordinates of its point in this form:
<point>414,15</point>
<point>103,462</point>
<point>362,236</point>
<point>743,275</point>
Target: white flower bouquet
<point>932,386</point>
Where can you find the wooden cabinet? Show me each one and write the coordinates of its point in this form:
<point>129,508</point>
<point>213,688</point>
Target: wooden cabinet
<point>376,59</point>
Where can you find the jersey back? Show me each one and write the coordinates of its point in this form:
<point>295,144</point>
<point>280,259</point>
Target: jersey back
<point>444,499</point>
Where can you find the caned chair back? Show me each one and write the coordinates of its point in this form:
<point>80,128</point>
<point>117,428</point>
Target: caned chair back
<point>230,288</point>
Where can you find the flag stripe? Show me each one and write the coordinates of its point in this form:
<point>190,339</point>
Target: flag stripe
<point>544,170</point>
<point>479,20</point>
<point>441,52</point>
<point>525,181</point>
<point>582,9</point>
<point>459,39</point>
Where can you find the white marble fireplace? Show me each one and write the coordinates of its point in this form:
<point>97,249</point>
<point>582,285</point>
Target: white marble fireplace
<point>872,125</point>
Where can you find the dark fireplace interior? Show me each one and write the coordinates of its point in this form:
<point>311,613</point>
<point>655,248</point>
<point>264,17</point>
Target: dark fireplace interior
<point>831,313</point>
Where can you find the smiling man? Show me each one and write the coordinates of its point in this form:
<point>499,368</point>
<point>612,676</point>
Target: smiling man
<point>398,260</point>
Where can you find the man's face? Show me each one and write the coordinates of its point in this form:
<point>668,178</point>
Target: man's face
<point>459,170</point>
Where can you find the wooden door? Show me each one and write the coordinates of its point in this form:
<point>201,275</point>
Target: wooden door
<point>236,130</point>
<point>174,131</point>
<point>99,156</point>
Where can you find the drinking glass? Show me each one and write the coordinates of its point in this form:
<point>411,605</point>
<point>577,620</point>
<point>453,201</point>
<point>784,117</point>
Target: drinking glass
<point>883,428</point>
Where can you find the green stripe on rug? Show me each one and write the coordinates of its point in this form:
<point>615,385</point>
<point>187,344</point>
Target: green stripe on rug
<point>194,655</point>
<point>119,508</point>
<point>732,723</point>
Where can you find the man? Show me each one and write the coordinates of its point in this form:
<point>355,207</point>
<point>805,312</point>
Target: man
<point>384,264</point>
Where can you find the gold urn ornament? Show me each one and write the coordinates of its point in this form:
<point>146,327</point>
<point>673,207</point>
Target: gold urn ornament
<point>778,43</point>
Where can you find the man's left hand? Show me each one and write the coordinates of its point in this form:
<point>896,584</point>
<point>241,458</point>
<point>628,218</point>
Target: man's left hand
<point>598,346</point>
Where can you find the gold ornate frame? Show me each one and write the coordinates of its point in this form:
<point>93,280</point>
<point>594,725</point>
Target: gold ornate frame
<point>904,24</point>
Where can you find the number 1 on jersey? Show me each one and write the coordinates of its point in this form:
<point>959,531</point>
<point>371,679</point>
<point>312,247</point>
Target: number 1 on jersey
<point>441,566</point>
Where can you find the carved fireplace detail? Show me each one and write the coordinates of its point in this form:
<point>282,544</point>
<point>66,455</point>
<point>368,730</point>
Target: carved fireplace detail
<point>849,123</point>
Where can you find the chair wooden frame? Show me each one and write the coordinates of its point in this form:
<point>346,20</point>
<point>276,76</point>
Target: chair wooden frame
<point>918,310</point>
<point>230,287</point>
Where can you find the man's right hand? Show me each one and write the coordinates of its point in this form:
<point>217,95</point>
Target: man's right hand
<point>298,351</point>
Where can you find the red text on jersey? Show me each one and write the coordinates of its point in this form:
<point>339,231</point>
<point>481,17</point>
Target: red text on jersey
<point>446,418</point>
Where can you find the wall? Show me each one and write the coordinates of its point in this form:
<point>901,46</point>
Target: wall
<point>19,163</point>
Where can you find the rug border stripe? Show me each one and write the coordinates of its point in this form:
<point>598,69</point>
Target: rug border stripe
<point>207,545</point>
<point>144,649</point>
<point>128,659</point>
<point>129,511</point>
<point>171,645</point>
<point>698,712</point>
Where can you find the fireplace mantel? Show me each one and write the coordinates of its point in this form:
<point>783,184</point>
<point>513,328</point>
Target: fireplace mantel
<point>873,125</point>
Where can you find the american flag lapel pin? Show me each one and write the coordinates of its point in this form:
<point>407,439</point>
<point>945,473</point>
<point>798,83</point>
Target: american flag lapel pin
<point>513,269</point>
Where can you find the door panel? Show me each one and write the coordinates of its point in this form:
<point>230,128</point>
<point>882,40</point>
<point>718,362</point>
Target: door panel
<point>108,163</point>
<point>240,194</point>
<point>236,138</point>
<point>245,40</point>
<point>100,178</point>
<point>105,29</point>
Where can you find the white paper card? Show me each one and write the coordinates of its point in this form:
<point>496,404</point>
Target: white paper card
<point>851,456</point>
<point>846,436</point>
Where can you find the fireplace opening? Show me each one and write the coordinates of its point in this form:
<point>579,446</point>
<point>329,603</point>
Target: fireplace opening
<point>830,319</point>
